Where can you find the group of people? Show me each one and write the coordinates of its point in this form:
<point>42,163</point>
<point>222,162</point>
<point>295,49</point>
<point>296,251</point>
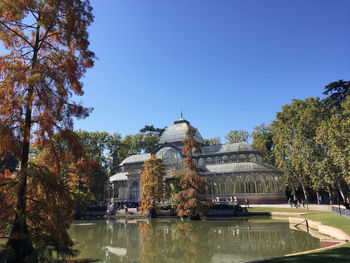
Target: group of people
<point>113,207</point>
<point>232,199</point>
<point>296,203</point>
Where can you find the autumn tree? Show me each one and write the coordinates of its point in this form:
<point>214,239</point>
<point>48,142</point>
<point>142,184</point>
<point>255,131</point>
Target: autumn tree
<point>152,184</point>
<point>48,55</point>
<point>190,200</point>
<point>237,136</point>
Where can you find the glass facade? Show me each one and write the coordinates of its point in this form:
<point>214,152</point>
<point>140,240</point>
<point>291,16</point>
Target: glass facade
<point>229,169</point>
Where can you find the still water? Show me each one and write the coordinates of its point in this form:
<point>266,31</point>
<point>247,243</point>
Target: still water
<point>164,240</point>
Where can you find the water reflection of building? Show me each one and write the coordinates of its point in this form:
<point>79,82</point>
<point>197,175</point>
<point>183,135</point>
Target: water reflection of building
<point>165,240</point>
<point>231,169</point>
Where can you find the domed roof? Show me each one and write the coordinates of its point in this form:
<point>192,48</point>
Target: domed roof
<point>177,132</point>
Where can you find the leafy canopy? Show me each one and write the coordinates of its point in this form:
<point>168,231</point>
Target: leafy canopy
<point>48,54</point>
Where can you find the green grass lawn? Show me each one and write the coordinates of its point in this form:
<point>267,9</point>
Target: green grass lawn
<point>338,254</point>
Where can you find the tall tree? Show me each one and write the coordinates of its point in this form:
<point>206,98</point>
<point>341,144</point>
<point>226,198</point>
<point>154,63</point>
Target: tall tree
<point>114,155</point>
<point>294,137</point>
<point>334,135</point>
<point>152,184</point>
<point>262,141</point>
<point>190,200</point>
<point>237,136</point>
<point>48,55</point>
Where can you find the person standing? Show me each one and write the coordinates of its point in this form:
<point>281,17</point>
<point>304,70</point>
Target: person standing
<point>320,200</point>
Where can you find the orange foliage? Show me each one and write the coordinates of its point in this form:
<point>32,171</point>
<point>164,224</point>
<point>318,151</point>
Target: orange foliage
<point>190,201</point>
<point>152,183</point>
<point>47,43</point>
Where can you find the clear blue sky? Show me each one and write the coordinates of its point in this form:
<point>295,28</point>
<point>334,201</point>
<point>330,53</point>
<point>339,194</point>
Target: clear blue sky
<point>227,64</point>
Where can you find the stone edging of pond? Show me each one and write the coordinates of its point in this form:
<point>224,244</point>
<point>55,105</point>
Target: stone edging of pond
<point>340,236</point>
<point>323,229</point>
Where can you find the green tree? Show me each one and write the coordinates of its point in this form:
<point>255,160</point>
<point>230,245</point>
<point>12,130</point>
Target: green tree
<point>114,155</point>
<point>150,142</point>
<point>334,135</point>
<point>237,136</point>
<point>151,129</point>
<point>190,200</point>
<point>337,93</point>
<point>48,55</point>
<point>212,141</point>
<point>263,142</point>
<point>294,138</point>
<point>96,146</point>
<point>152,184</point>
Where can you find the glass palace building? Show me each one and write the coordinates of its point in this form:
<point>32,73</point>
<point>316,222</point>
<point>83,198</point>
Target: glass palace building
<point>231,170</point>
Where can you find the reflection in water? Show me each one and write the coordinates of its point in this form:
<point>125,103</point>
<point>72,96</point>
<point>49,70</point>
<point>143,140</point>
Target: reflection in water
<point>164,240</point>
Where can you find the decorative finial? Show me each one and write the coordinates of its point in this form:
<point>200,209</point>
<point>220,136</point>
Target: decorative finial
<point>181,114</point>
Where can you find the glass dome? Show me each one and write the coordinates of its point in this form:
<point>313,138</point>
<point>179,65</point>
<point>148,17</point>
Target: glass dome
<point>177,132</point>
<point>170,156</point>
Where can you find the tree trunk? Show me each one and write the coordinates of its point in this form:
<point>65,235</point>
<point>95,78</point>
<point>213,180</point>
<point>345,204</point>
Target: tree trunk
<point>330,195</point>
<point>318,197</point>
<point>340,190</point>
<point>19,241</point>
<point>304,191</point>
<point>293,193</point>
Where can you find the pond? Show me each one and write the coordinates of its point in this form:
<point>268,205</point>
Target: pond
<point>171,240</point>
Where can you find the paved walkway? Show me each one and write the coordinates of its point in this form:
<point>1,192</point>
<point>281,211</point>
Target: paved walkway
<point>311,206</point>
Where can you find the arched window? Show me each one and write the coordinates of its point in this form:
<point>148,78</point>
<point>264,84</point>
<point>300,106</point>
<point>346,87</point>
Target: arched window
<point>201,162</point>
<point>134,196</point>
<point>230,185</point>
<point>260,184</point>
<point>209,160</point>
<point>252,158</point>
<point>233,158</point>
<point>225,159</point>
<point>170,156</point>
<point>269,184</point>
<point>217,159</point>
<point>220,186</point>
<point>239,185</point>
<point>250,184</point>
<point>243,158</point>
